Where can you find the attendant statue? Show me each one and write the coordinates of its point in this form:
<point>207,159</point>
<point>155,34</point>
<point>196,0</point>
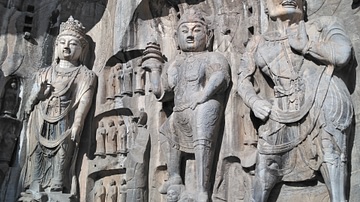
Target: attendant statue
<point>289,77</point>
<point>57,108</point>
<point>198,80</point>
<point>122,190</point>
<point>101,134</point>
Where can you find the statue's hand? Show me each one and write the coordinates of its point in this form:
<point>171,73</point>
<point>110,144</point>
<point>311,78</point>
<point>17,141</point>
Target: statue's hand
<point>198,100</point>
<point>298,38</point>
<point>261,109</point>
<point>75,133</point>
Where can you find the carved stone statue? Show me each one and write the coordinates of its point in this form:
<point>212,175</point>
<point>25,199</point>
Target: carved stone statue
<point>304,108</point>
<point>198,80</point>
<point>110,84</point>
<point>100,192</point>
<point>59,102</point>
<point>121,137</point>
<point>111,138</point>
<point>101,134</point>
<point>112,192</point>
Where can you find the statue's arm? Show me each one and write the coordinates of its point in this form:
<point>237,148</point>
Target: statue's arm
<point>245,87</point>
<point>82,110</point>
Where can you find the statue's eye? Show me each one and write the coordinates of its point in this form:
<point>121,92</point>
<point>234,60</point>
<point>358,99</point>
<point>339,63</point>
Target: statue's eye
<point>62,41</point>
<point>184,31</point>
<point>197,30</point>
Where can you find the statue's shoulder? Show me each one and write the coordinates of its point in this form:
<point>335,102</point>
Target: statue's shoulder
<point>326,23</point>
<point>216,57</point>
<point>87,72</point>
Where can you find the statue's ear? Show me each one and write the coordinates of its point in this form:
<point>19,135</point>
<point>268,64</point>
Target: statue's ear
<point>210,39</point>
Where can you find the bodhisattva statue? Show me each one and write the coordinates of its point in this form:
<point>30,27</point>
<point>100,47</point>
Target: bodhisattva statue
<point>198,80</point>
<point>306,111</point>
<point>60,100</point>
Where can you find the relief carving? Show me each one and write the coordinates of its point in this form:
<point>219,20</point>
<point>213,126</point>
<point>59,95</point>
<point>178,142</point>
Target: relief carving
<point>61,98</point>
<point>197,79</point>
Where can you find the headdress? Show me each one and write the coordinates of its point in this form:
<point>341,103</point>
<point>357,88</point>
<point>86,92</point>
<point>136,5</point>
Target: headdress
<point>192,15</point>
<point>74,28</point>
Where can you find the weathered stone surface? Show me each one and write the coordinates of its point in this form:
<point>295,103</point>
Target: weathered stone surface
<point>123,136</point>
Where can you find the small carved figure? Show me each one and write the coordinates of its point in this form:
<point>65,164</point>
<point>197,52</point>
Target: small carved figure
<point>140,80</point>
<point>111,138</point>
<point>122,190</point>
<point>101,134</point>
<point>306,119</point>
<point>174,192</point>
<point>111,84</point>
<point>198,79</point>
<point>122,137</point>
<point>118,72</point>
<point>112,192</point>
<point>100,192</point>
<point>126,78</point>
<point>59,102</point>
<point>11,100</point>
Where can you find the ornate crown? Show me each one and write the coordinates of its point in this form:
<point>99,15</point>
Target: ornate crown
<point>72,27</point>
<point>192,15</point>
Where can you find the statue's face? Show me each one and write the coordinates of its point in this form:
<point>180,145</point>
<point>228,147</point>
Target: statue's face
<point>172,195</point>
<point>192,37</point>
<point>285,8</point>
<point>69,48</point>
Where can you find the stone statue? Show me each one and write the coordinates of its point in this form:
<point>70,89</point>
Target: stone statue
<point>100,192</point>
<point>101,134</point>
<point>112,192</point>
<point>121,138</point>
<point>304,109</point>
<point>111,138</point>
<point>59,102</point>
<point>198,80</point>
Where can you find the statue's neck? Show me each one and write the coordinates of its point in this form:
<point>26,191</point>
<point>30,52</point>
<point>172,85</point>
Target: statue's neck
<point>65,64</point>
<point>281,25</point>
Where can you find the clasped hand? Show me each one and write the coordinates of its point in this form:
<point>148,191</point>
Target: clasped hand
<point>297,36</point>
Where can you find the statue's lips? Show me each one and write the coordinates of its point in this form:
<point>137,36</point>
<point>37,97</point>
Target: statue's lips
<point>288,3</point>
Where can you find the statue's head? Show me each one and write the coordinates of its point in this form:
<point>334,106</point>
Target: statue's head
<point>192,33</point>
<point>71,43</point>
<point>285,9</point>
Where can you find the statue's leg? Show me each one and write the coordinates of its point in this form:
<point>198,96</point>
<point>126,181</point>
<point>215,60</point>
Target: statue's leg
<point>204,158</point>
<point>334,167</point>
<point>57,180</point>
<point>173,157</point>
<point>208,118</point>
<point>264,181</point>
